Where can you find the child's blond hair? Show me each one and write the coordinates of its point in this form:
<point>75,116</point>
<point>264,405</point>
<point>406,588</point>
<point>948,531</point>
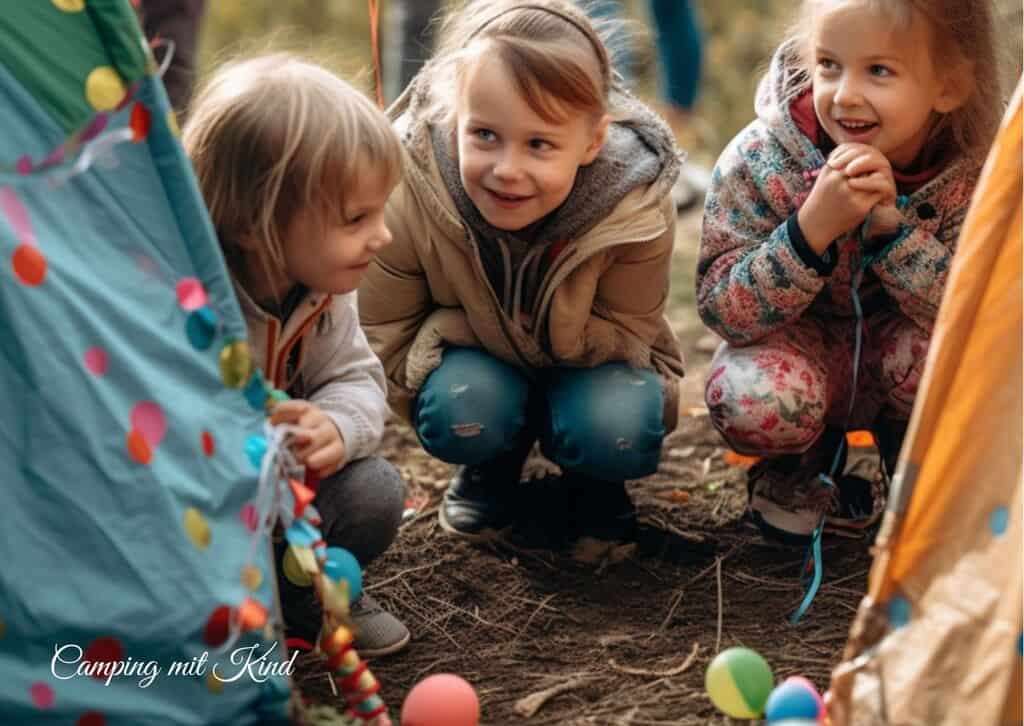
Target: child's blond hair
<point>553,50</point>
<point>275,135</point>
<point>963,39</point>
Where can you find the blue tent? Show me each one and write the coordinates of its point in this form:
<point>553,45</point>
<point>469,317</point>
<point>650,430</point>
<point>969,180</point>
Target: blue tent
<point>133,418</point>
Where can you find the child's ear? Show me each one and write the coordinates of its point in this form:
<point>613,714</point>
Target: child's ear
<point>957,86</point>
<point>600,131</point>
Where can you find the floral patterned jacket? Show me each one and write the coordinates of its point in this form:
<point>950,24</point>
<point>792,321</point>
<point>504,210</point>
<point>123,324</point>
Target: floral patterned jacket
<point>756,273</point>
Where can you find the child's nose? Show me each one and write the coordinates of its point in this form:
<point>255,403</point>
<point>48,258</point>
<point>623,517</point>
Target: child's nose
<point>847,92</point>
<point>507,167</point>
<point>383,238</point>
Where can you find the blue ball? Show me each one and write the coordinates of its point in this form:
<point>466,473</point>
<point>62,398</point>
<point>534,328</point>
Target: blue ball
<point>794,701</point>
<point>343,565</point>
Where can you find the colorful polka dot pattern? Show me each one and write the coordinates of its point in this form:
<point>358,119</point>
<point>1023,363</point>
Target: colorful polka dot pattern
<point>147,424</point>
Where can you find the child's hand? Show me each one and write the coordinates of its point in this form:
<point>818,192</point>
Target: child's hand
<point>835,206</point>
<point>318,444</point>
<point>867,169</point>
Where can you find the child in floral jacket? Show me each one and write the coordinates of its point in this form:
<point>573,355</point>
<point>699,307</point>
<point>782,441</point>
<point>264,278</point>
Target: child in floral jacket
<point>838,209</point>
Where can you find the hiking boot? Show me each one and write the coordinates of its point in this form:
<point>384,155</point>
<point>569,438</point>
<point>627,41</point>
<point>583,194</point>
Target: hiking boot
<point>377,632</point>
<point>477,505</point>
<point>787,503</point>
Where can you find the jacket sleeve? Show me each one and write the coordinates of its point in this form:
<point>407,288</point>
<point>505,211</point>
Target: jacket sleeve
<point>755,272</point>
<point>914,266</point>
<point>395,299</point>
<point>347,380</point>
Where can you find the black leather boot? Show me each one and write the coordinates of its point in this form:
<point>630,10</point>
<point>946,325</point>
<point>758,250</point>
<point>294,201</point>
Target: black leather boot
<point>479,502</point>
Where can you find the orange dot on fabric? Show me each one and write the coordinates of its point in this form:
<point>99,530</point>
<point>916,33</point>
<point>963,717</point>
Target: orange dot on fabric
<point>42,695</point>
<point>191,295</point>
<point>252,615</point>
<point>252,577</point>
<point>214,684</point>
<point>97,361</point>
<point>209,445</point>
<point>104,650</point>
<point>138,449</point>
<point>104,88</point>
<point>148,419</point>
<point>197,528</point>
<point>140,121</point>
<point>93,718</point>
<point>29,265</point>
<point>218,626</point>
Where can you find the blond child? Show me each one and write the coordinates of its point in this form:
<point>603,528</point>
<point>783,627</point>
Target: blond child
<point>832,217</point>
<point>523,296</point>
<point>295,166</point>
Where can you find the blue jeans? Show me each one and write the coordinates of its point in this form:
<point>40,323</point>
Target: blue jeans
<point>605,423</point>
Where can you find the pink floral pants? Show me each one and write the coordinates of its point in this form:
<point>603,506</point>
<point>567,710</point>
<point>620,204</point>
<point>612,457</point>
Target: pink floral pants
<point>776,396</point>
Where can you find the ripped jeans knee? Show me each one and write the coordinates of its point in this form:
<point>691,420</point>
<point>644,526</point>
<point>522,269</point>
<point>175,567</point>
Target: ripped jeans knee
<point>472,408</point>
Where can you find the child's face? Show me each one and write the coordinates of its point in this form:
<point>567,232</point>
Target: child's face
<point>874,84</point>
<point>334,261</point>
<point>515,166</point>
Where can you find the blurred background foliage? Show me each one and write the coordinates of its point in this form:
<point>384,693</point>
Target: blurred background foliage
<point>739,38</point>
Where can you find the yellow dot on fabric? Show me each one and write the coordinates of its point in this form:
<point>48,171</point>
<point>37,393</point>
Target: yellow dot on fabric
<point>214,684</point>
<point>252,577</point>
<point>104,89</point>
<point>197,528</point>
<point>70,6</point>
<point>235,364</point>
<point>172,123</point>
<point>293,570</point>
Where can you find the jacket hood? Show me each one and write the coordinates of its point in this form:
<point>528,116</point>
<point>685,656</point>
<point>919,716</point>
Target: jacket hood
<point>780,86</point>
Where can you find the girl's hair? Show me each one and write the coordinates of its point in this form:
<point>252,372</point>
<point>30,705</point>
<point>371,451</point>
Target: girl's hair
<point>553,50</point>
<point>962,37</point>
<point>275,135</point>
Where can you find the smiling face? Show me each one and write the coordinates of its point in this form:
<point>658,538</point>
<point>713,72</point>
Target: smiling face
<point>874,83</point>
<point>516,166</point>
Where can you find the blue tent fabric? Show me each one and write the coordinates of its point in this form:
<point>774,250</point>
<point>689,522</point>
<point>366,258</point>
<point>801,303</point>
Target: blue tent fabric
<point>107,545</point>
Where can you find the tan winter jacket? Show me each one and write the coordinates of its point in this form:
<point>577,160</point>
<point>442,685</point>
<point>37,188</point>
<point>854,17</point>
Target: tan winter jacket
<point>602,300</point>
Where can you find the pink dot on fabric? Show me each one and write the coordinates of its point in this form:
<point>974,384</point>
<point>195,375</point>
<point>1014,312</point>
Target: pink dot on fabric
<point>249,517</point>
<point>104,650</point>
<point>92,718</point>
<point>42,695</point>
<point>24,165</point>
<point>17,215</point>
<point>191,295</point>
<point>148,419</point>
<point>97,361</point>
<point>209,445</point>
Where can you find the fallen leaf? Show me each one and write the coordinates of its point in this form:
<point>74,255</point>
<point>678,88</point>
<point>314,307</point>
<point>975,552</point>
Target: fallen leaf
<point>734,459</point>
<point>674,495</point>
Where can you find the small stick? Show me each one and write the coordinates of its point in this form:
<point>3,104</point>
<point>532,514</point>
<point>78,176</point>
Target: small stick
<point>718,579</point>
<point>527,706</point>
<point>681,668</point>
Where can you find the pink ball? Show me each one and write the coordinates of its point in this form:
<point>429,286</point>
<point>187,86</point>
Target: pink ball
<point>441,700</point>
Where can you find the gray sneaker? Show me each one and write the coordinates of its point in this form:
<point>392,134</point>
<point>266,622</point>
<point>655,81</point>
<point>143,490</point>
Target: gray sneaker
<point>378,632</point>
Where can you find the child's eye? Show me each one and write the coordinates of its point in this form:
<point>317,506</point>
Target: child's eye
<point>485,135</point>
<point>881,71</point>
<point>540,145</point>
<point>356,219</point>
<point>827,64</point>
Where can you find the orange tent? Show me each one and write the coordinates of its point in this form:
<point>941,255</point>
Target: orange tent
<point>937,640</point>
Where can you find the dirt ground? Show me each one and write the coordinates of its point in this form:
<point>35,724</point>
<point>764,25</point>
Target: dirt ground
<point>627,637</point>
